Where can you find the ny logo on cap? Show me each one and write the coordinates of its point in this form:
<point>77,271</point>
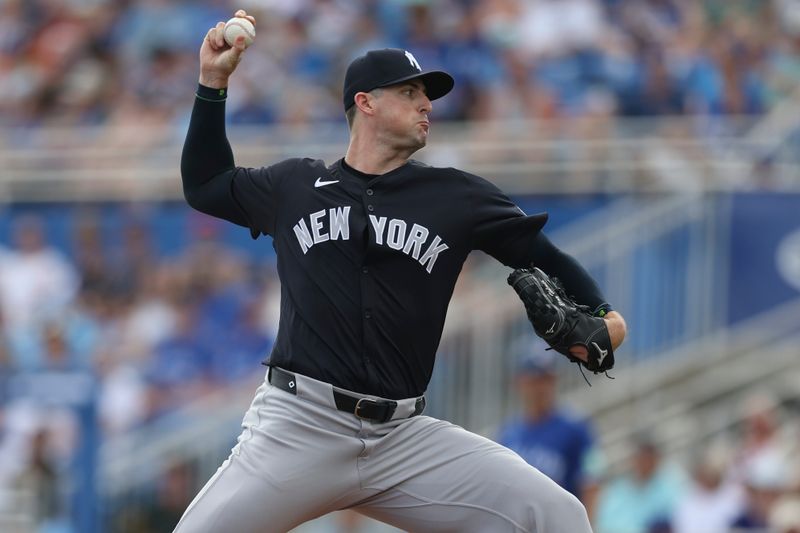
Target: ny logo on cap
<point>413,60</point>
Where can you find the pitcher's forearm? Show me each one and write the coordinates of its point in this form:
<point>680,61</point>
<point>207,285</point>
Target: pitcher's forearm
<point>617,329</point>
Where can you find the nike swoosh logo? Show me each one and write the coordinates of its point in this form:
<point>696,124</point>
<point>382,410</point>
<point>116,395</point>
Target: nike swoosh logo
<point>603,354</point>
<point>551,330</point>
<point>321,183</point>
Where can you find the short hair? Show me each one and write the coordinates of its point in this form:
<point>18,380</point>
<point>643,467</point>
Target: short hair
<point>350,114</point>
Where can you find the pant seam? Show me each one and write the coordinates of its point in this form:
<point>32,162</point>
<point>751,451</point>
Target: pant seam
<point>428,501</point>
<point>206,489</point>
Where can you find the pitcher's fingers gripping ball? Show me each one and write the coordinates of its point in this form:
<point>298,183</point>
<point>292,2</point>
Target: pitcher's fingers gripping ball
<point>239,26</point>
<point>562,323</point>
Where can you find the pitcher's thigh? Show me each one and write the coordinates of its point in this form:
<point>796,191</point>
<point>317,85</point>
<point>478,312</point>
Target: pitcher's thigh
<point>465,482</point>
<point>270,485</point>
<point>236,500</point>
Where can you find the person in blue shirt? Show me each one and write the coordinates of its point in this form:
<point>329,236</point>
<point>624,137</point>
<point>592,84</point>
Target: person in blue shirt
<point>643,498</point>
<point>557,442</point>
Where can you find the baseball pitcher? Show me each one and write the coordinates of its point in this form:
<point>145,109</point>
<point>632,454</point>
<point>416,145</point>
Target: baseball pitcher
<point>369,248</point>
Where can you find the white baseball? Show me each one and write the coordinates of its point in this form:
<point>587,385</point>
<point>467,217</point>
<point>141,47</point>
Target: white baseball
<point>239,26</point>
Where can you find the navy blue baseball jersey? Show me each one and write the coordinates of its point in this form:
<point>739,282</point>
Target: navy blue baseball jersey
<point>559,446</point>
<point>367,263</point>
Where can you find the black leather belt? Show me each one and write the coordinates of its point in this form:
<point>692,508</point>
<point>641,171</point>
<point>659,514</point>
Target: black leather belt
<point>365,408</point>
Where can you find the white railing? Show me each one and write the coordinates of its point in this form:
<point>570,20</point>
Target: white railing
<point>202,431</point>
<point>17,507</point>
<point>693,394</point>
<point>124,163</point>
<point>487,327</point>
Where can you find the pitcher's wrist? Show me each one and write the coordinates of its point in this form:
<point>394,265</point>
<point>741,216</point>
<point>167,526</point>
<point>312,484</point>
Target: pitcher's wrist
<point>214,82</point>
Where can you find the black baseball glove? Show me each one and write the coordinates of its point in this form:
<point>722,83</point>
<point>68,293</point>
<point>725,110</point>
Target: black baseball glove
<point>560,321</point>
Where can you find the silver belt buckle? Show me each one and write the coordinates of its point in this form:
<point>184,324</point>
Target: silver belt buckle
<point>357,412</point>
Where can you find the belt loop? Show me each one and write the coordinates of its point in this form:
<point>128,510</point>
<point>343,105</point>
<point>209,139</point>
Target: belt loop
<point>419,406</point>
<point>283,380</point>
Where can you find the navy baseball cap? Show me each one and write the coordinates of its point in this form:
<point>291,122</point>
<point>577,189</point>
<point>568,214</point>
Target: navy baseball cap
<point>389,66</point>
<point>537,363</point>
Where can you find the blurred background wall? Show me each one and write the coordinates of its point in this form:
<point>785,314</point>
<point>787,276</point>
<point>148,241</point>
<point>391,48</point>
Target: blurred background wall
<point>662,136</point>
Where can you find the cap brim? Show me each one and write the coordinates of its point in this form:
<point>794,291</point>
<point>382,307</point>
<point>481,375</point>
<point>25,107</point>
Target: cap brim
<point>437,83</point>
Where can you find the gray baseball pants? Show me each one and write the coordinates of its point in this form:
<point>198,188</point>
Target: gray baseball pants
<point>298,458</point>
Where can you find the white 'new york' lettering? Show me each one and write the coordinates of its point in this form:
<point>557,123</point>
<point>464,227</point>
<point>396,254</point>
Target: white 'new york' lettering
<point>316,227</point>
<point>338,227</point>
<point>396,234</point>
<point>432,253</point>
<point>378,225</point>
<point>303,235</point>
<point>393,232</point>
<point>416,238</point>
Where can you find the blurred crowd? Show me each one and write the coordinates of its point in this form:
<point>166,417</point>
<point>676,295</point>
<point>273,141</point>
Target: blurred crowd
<point>746,479</point>
<point>117,332</point>
<point>76,62</point>
<point>112,332</point>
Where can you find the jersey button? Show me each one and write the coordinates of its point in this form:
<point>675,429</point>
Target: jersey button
<point>370,208</point>
<point>365,270</point>
<point>367,315</point>
<point>370,192</point>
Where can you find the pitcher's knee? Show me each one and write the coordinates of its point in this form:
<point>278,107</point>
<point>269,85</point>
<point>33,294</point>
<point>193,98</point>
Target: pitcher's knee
<point>557,511</point>
<point>569,505</point>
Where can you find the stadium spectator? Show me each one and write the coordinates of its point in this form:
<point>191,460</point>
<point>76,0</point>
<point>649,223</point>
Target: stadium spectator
<point>173,494</point>
<point>763,433</point>
<point>88,253</point>
<point>123,398</point>
<point>162,507</point>
<point>643,500</point>
<point>58,396</point>
<point>179,370</point>
<point>37,283</point>
<point>559,443</point>
<point>711,501</point>
<point>785,515</point>
<point>236,353</point>
<point>42,486</point>
<point>653,56</point>
<point>766,480</point>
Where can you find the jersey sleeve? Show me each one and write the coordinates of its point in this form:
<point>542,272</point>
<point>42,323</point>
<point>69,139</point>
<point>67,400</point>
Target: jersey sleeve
<point>256,192</point>
<point>500,227</point>
<point>578,283</point>
<point>212,183</point>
